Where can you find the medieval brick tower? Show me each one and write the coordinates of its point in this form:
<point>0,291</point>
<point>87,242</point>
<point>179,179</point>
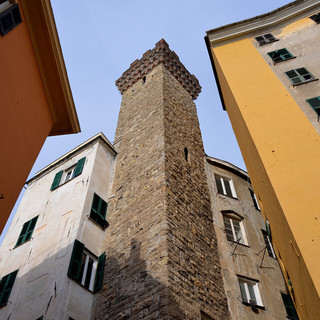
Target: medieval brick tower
<point>162,260</point>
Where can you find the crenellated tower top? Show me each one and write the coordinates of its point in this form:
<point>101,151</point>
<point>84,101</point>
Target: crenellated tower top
<point>150,59</point>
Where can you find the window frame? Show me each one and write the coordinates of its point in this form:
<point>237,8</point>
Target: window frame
<point>78,267</point>
<point>98,214</point>
<point>13,12</point>
<point>245,284</point>
<point>6,288</point>
<point>315,108</point>
<point>221,186</point>
<point>61,176</point>
<point>289,306</point>
<point>300,77</point>
<point>316,18</point>
<point>266,40</point>
<point>26,231</point>
<point>233,217</point>
<point>282,56</point>
<point>268,244</point>
<point>254,199</point>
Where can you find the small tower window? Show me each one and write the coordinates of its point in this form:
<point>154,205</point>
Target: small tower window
<point>144,79</point>
<point>186,153</point>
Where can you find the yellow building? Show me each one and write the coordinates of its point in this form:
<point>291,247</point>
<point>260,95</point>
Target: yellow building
<point>267,71</point>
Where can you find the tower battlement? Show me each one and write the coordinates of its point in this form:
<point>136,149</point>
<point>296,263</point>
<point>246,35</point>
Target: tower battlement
<point>161,53</point>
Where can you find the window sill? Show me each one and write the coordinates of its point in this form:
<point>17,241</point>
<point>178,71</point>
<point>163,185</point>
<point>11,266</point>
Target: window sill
<point>82,286</point>
<point>21,244</point>
<point>225,195</point>
<point>62,184</point>
<point>306,82</point>
<point>254,305</point>
<point>263,44</point>
<point>98,224</point>
<point>277,62</point>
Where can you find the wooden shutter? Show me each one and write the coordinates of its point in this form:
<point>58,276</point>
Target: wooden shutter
<point>56,180</point>
<point>75,262</point>
<point>79,167</point>
<point>98,211</point>
<point>99,274</point>
<point>6,285</point>
<point>27,231</point>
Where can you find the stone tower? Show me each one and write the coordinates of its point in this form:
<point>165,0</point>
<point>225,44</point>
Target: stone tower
<point>162,260</point>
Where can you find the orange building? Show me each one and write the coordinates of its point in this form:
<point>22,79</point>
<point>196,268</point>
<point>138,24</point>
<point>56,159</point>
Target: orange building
<point>36,99</point>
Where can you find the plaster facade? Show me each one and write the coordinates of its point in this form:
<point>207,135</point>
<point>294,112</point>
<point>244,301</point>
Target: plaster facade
<point>248,260</point>
<point>36,99</point>
<point>42,287</point>
<point>278,132</point>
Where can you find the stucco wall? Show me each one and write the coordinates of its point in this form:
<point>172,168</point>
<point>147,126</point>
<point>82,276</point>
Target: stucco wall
<point>42,285</point>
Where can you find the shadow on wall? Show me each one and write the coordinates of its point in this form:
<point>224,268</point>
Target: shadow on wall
<point>44,290</point>
<point>129,292</point>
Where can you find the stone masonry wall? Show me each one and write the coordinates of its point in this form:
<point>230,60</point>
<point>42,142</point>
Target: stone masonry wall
<point>194,268</point>
<point>161,250</point>
<point>136,247</point>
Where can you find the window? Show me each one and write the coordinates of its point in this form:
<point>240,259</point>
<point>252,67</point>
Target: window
<point>234,227</point>
<point>85,268</point>
<point>250,292</point>
<point>9,18</point>
<point>64,176</point>
<point>98,211</point>
<point>6,285</point>
<point>254,199</point>
<point>268,244</point>
<point>299,76</point>
<point>291,311</point>
<point>26,231</point>
<point>41,318</point>
<point>225,186</point>
<point>265,39</point>
<point>315,105</point>
<point>316,17</point>
<point>280,55</point>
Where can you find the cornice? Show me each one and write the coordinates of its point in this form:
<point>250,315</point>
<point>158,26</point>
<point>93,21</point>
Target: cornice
<point>279,17</point>
<point>160,54</point>
<point>45,41</point>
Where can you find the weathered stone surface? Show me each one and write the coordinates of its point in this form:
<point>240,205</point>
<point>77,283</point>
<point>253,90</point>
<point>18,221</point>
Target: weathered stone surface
<point>162,260</point>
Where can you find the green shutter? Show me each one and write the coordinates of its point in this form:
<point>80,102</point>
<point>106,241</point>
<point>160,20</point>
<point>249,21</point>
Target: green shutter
<point>6,285</point>
<point>99,274</point>
<point>75,261</point>
<point>79,167</point>
<point>27,231</point>
<point>291,311</point>
<point>56,180</point>
<point>98,211</point>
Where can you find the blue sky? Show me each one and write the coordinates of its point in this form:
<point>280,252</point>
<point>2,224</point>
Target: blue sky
<point>100,39</point>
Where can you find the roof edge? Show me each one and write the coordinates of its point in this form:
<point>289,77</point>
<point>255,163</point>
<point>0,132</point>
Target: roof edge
<point>72,152</point>
<point>46,45</point>
<point>229,167</point>
<point>269,20</point>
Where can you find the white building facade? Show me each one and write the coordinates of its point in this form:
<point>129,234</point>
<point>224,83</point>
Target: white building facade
<point>51,261</point>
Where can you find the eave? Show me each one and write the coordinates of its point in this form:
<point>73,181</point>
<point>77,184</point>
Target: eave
<point>45,40</point>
